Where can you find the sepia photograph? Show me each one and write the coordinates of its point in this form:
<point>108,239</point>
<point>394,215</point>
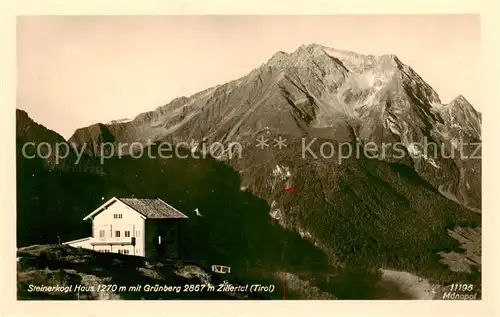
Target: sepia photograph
<point>248,157</point>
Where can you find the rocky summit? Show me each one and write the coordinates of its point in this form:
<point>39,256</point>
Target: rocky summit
<point>319,91</point>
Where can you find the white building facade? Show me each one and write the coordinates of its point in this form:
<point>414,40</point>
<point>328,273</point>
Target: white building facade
<point>134,226</point>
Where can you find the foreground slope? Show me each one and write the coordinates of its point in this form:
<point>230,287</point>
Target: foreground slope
<point>67,267</point>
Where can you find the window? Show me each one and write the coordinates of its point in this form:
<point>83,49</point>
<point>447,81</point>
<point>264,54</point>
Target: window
<point>102,233</point>
<point>117,234</point>
<point>117,216</point>
<point>127,234</point>
<point>125,251</point>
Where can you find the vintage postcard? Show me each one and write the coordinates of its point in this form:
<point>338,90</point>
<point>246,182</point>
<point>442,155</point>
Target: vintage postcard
<point>249,157</point>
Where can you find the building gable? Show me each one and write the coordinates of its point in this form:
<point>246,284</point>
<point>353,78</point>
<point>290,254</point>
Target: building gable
<point>117,212</point>
<point>112,207</point>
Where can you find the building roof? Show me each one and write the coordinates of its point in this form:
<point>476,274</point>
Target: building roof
<point>148,208</point>
<point>153,208</point>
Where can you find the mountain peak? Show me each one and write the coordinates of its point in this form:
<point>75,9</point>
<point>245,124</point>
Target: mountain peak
<point>460,99</point>
<point>278,57</point>
<point>352,61</point>
<point>311,46</point>
<point>461,102</point>
<point>311,55</point>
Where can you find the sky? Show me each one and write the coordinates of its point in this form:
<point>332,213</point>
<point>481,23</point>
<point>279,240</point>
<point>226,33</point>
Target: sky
<point>73,71</point>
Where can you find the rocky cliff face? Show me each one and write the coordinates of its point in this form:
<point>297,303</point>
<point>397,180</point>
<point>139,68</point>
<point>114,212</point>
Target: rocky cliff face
<point>322,92</point>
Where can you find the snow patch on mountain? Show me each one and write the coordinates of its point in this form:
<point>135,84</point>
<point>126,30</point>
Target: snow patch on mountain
<point>432,162</point>
<point>282,172</point>
<point>119,121</point>
<point>275,214</point>
<point>353,61</point>
<point>414,150</point>
<point>390,122</point>
<point>304,233</point>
